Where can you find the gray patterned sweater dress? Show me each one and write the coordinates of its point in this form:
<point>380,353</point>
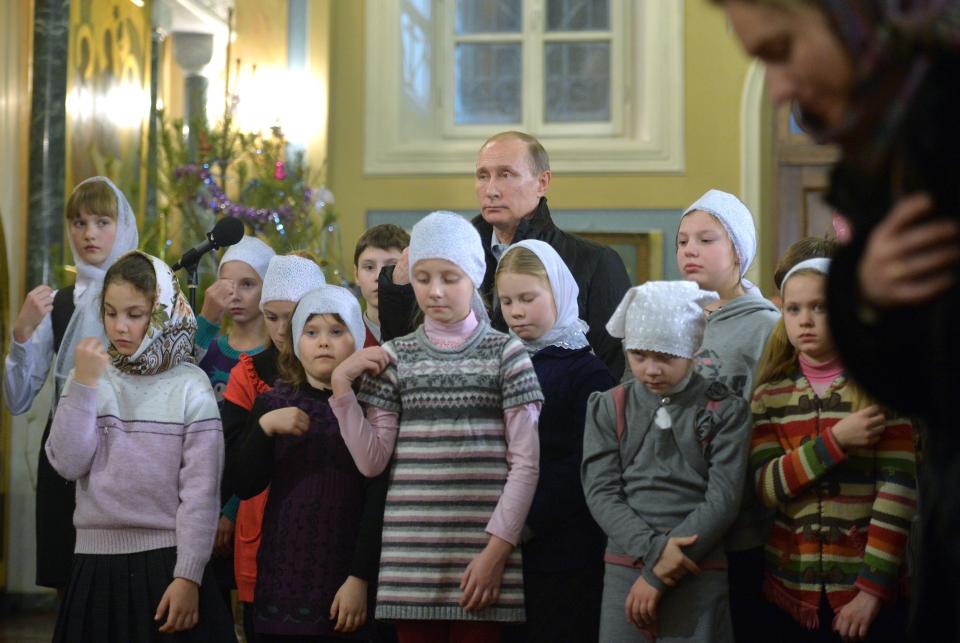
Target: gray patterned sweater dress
<point>449,469</point>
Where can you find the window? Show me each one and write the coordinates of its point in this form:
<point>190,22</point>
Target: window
<point>599,82</point>
<point>549,70</point>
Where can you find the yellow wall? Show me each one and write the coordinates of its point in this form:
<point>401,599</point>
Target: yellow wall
<point>261,37</point>
<point>714,74</point>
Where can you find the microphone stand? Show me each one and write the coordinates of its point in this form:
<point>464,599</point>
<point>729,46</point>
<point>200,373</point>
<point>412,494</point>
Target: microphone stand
<point>193,280</point>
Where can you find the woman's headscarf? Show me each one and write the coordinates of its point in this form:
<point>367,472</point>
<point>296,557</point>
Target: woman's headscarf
<point>169,337</point>
<point>85,321</point>
<point>892,45</point>
<point>569,331</point>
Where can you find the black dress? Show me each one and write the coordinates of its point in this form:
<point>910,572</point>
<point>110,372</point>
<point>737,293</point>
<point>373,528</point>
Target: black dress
<point>322,522</point>
<point>56,497</point>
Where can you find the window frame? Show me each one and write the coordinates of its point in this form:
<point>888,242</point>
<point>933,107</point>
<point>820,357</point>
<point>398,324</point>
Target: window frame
<point>533,39</point>
<point>645,134</point>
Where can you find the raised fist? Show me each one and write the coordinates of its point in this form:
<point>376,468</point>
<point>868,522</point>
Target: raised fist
<point>91,361</point>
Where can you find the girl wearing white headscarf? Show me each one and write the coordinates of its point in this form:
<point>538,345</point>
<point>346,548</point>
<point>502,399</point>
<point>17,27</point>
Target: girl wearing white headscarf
<point>101,226</point>
<point>563,546</point>
<point>737,330</point>
<point>322,520</point>
<point>288,278</point>
<point>464,398</point>
<point>236,292</point>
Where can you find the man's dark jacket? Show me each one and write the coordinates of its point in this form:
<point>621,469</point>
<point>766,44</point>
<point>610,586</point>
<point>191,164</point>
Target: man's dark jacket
<point>598,270</point>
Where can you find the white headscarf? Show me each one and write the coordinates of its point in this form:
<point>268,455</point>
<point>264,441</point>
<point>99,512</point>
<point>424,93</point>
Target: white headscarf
<point>446,235</point>
<point>819,264</point>
<point>738,222</point>
<point>569,331</point>
<point>251,251</point>
<point>326,300</point>
<point>663,317</point>
<point>85,321</point>
<point>289,278</point>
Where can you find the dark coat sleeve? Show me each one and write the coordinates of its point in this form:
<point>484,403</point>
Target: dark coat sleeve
<point>234,418</point>
<point>398,307</point>
<point>903,358</point>
<point>254,456</point>
<point>605,290</point>
<point>366,555</point>
<point>871,342</point>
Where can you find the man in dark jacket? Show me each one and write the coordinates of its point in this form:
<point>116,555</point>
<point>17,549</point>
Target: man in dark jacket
<point>512,176</point>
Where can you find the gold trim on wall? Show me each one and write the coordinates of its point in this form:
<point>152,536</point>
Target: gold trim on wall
<point>108,96</point>
<point>5,420</point>
<point>648,247</point>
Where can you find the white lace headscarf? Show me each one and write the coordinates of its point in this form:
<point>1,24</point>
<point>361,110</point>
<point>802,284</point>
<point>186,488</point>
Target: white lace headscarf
<point>86,321</point>
<point>569,331</point>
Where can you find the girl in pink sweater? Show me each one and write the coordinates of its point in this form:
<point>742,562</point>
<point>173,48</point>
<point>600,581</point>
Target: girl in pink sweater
<point>137,427</point>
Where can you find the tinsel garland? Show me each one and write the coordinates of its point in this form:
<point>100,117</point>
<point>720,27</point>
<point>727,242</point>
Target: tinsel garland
<point>214,198</point>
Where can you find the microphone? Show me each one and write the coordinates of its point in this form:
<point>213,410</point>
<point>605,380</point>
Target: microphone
<point>226,232</point>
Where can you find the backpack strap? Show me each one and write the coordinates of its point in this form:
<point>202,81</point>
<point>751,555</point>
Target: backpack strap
<point>619,394</point>
<point>60,315</point>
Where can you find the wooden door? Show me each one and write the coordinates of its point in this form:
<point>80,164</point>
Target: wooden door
<point>801,171</point>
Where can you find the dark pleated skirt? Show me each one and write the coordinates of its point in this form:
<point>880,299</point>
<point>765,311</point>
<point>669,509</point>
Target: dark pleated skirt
<point>112,598</point>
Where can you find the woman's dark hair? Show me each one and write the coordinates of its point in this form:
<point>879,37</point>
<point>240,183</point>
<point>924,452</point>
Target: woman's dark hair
<point>135,269</point>
<point>289,368</point>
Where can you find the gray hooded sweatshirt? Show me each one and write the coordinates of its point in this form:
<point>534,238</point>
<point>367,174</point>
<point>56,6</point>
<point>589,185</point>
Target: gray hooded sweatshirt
<point>734,340</point>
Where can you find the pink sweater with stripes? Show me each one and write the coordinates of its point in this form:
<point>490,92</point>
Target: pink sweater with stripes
<point>147,455</point>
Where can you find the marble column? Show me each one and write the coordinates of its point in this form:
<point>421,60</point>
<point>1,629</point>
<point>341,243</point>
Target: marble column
<point>153,134</point>
<point>45,251</point>
<point>193,51</point>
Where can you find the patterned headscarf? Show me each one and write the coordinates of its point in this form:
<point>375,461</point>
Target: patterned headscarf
<point>169,337</point>
<point>892,45</point>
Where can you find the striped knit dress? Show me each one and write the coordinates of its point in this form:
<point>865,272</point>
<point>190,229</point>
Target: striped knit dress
<point>449,469</point>
<point>842,516</point>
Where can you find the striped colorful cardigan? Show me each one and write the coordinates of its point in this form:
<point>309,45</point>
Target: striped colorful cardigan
<point>842,518</point>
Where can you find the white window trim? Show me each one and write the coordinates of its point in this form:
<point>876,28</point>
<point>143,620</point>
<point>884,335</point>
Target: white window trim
<point>652,140</point>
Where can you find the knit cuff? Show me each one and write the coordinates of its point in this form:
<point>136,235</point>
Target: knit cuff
<point>82,397</point>
<point>834,450</point>
<point>231,508</point>
<point>885,594</point>
<point>652,557</point>
<point>189,567</point>
<point>653,579</point>
<point>19,352</point>
<point>206,331</point>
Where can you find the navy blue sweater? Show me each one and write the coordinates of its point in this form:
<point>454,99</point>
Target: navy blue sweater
<point>565,536</point>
